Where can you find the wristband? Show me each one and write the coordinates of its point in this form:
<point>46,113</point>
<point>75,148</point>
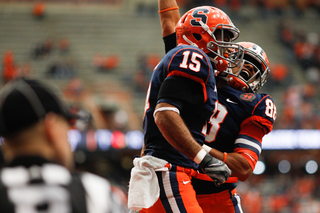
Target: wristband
<point>168,9</point>
<point>200,155</point>
<point>206,148</point>
<point>224,157</point>
<point>166,109</point>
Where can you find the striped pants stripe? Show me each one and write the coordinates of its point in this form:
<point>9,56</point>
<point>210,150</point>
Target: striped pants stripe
<point>176,194</point>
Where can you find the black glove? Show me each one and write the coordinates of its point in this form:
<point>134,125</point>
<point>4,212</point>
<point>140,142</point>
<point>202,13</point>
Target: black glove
<point>215,169</point>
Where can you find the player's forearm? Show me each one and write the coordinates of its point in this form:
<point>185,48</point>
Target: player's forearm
<point>239,166</point>
<point>176,133</point>
<point>170,18</point>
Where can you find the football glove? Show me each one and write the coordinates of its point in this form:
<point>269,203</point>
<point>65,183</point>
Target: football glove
<point>215,169</point>
<point>220,65</point>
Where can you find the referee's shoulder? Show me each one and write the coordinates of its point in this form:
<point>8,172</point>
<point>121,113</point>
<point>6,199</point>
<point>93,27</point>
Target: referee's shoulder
<point>92,181</point>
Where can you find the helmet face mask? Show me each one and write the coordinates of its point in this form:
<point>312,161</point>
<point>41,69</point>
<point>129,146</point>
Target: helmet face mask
<point>211,30</point>
<point>253,71</point>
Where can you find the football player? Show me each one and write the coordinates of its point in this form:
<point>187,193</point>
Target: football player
<point>180,100</point>
<point>238,123</point>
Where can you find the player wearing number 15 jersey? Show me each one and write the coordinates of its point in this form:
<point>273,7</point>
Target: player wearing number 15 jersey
<point>181,98</point>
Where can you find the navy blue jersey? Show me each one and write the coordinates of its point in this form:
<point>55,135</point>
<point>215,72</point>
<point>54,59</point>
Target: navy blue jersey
<point>229,127</point>
<point>225,130</point>
<point>191,63</point>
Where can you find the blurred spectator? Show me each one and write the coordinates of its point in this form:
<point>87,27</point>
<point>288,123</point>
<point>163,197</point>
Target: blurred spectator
<point>305,46</point>
<point>280,194</point>
<point>140,82</point>
<point>299,108</point>
<point>235,7</point>
<point>279,76</point>
<point>25,69</point>
<point>300,7</point>
<point>64,46</point>
<point>313,75</point>
<point>152,60</point>
<point>146,64</point>
<point>9,69</point>
<point>74,91</point>
<point>43,48</point>
<point>254,197</point>
<point>110,114</point>
<point>62,69</point>
<point>279,7</point>
<point>286,34</point>
<point>316,57</point>
<point>105,64</point>
<point>39,11</point>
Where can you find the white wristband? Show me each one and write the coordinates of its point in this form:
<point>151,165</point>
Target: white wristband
<point>207,148</point>
<point>200,155</point>
<point>165,109</point>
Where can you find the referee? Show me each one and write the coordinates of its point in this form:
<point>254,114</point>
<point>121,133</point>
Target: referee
<point>37,177</point>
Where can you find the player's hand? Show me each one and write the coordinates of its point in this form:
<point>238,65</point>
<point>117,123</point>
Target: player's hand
<point>220,64</point>
<point>215,169</point>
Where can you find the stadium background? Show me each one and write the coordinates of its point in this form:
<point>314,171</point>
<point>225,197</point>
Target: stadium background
<point>101,54</point>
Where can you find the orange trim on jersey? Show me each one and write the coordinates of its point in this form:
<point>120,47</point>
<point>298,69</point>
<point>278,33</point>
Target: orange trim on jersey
<point>249,155</point>
<point>259,121</point>
<point>259,103</point>
<point>253,130</point>
<point>186,75</point>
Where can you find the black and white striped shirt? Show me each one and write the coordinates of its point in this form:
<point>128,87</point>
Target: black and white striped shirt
<point>35,185</point>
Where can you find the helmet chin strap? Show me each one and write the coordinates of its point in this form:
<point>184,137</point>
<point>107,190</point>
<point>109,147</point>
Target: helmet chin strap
<point>188,41</point>
<point>205,27</point>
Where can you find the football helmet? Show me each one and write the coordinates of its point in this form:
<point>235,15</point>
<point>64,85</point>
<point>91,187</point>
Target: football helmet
<point>253,71</point>
<point>200,27</point>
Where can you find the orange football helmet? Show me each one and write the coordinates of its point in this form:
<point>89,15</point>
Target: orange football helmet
<point>253,71</point>
<point>199,27</point>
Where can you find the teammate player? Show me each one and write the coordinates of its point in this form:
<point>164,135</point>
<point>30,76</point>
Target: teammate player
<point>181,98</point>
<point>238,124</point>
<point>36,178</point>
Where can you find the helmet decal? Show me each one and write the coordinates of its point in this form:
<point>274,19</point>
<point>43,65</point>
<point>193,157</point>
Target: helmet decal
<point>199,14</point>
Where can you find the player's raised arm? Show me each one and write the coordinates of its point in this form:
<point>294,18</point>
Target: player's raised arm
<point>169,16</point>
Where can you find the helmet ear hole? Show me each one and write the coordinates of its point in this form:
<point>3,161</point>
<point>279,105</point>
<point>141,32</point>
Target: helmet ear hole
<point>197,36</point>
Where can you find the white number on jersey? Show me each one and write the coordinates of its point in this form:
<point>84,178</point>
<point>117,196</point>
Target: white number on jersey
<point>195,65</point>
<point>215,120</point>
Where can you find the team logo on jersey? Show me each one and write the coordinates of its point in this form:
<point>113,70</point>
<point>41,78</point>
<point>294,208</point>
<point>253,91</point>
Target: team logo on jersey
<point>248,97</point>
